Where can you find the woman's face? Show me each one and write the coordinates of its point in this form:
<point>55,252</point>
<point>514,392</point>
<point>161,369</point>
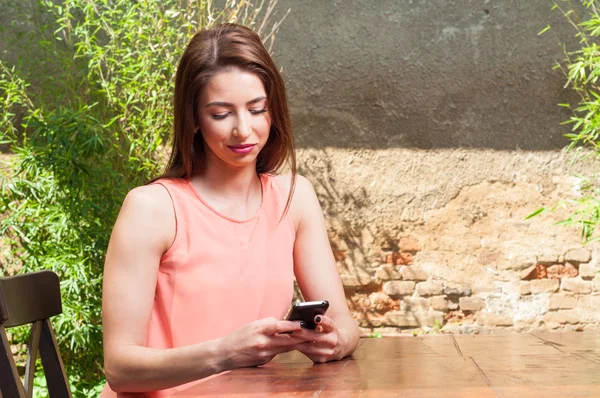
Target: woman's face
<point>233,118</point>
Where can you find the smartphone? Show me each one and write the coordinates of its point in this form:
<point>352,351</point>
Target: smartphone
<point>307,311</point>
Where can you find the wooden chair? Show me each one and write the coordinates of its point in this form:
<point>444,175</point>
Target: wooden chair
<point>31,298</point>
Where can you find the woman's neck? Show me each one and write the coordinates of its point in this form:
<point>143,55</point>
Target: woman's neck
<point>236,192</point>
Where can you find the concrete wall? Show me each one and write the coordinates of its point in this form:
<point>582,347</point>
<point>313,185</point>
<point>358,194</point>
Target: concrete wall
<point>430,130</point>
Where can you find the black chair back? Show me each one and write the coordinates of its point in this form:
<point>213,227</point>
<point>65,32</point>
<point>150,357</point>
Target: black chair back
<point>31,299</point>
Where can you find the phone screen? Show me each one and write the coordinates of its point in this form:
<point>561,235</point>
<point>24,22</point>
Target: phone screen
<point>307,311</point>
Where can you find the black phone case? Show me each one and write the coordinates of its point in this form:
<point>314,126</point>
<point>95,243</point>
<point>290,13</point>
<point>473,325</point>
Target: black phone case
<point>307,314</point>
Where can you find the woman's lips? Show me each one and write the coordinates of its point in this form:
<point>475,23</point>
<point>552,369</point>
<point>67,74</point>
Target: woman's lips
<point>241,149</point>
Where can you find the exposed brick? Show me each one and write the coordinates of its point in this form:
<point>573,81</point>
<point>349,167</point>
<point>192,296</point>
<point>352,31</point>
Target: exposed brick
<point>413,273</point>
<point>576,285</point>
<point>588,271</point>
<point>439,303</point>
<point>399,288</point>
<point>471,303</point>
<point>431,288</point>
<point>561,317</point>
<point>493,319</point>
<point>559,271</point>
<point>388,272</point>
<point>562,301</point>
<point>580,255</point>
<point>414,303</point>
<point>534,272</point>
<point>409,244</point>
<point>387,256</point>
<point>403,258</point>
<point>544,285</point>
<point>540,271</point>
<point>400,319</point>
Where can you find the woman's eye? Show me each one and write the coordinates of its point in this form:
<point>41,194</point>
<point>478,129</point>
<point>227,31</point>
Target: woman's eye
<point>220,116</point>
<point>257,111</point>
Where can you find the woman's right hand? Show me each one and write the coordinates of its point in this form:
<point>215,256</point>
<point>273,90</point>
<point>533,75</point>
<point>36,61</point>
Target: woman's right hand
<point>258,342</point>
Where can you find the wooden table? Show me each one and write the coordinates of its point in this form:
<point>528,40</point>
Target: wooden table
<point>516,365</point>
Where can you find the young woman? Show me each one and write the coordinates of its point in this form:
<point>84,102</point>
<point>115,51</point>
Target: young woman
<point>199,269</point>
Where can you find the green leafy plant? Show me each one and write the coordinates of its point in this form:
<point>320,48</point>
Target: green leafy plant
<point>582,70</point>
<point>85,108</point>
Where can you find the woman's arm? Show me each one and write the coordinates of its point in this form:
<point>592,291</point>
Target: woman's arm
<point>318,278</point>
<point>144,230</point>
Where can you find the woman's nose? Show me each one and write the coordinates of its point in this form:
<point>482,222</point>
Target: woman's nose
<point>243,127</point>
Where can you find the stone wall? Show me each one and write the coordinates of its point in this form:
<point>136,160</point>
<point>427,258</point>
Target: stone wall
<point>425,244</point>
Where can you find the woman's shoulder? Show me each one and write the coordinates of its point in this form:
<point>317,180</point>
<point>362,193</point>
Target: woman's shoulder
<point>302,186</point>
<point>303,195</point>
<point>152,199</point>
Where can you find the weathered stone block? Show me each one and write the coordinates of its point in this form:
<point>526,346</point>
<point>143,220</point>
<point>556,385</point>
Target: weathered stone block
<point>527,273</point>
<point>595,286</point>
<point>588,308</point>
<point>519,262</point>
<point>431,288</point>
<point>457,290</point>
<point>430,318</point>
<point>471,304</point>
<point>439,303</point>
<point>561,317</point>
<point>400,319</point>
<point>399,288</point>
<point>588,271</point>
<point>544,285</point>
<point>388,272</point>
<point>576,285</point>
<point>562,301</point>
<point>494,319</point>
<point>413,273</point>
<point>549,257</point>
<point>580,255</point>
<point>524,288</point>
<point>414,303</point>
<point>362,279</point>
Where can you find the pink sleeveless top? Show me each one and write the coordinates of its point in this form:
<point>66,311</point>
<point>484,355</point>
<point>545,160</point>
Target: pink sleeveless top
<point>220,274</point>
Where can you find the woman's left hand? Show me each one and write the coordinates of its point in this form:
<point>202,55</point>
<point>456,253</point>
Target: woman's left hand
<point>327,342</point>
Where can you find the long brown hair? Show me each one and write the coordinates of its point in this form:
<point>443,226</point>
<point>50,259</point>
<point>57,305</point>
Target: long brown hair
<point>222,48</point>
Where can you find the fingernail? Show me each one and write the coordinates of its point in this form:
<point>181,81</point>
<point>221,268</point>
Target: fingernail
<point>302,324</point>
<point>318,319</point>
